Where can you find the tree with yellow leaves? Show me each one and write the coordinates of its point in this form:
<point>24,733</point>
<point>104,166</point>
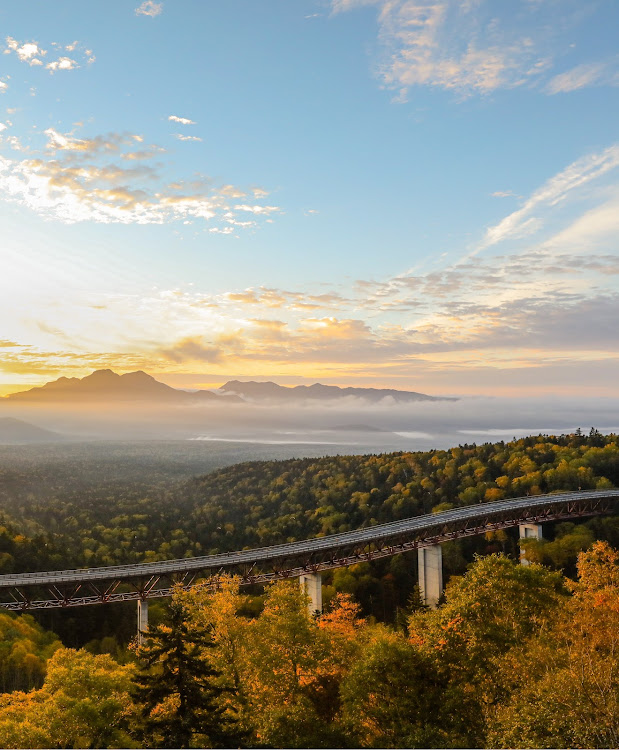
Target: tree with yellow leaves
<point>84,702</point>
<point>567,677</point>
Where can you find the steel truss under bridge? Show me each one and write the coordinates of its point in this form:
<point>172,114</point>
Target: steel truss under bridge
<point>76,588</point>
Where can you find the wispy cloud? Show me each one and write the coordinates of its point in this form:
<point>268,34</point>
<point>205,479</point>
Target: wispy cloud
<point>473,47</point>
<point>181,120</point>
<point>149,8</point>
<point>577,78</point>
<point>525,220</point>
<point>192,349</point>
<point>182,137</point>
<point>503,194</point>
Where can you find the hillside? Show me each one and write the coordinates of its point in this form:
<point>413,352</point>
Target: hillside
<point>17,431</point>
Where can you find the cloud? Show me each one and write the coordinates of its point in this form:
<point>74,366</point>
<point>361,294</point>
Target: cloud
<point>111,142</point>
<point>577,78</point>
<point>192,349</point>
<point>182,137</point>
<point>28,52</point>
<point>62,63</point>
<point>181,120</point>
<point>450,45</point>
<point>473,47</point>
<point>257,209</point>
<point>586,232</point>
<point>504,194</point>
<point>523,222</point>
<point>141,155</point>
<point>274,298</point>
<point>32,54</point>
<point>78,180</point>
<point>149,8</point>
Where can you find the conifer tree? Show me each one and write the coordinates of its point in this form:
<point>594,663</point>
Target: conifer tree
<point>177,689</point>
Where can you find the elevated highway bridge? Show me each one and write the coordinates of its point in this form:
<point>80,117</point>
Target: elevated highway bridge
<point>304,559</point>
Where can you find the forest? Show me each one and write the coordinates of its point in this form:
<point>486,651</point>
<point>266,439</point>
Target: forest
<point>509,654</point>
<point>516,656</point>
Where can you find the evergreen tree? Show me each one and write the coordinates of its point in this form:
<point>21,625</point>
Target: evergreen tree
<point>177,689</point>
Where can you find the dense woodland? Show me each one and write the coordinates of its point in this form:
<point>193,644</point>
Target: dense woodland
<point>515,657</point>
<point>113,505</point>
<point>501,662</point>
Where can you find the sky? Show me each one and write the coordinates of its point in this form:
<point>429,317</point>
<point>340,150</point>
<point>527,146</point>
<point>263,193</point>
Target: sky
<point>387,193</point>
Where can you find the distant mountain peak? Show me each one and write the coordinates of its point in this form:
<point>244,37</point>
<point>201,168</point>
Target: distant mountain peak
<point>267,390</point>
<point>107,385</point>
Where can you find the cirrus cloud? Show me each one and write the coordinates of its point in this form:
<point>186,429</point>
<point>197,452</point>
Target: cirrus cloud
<point>149,8</point>
<point>475,47</point>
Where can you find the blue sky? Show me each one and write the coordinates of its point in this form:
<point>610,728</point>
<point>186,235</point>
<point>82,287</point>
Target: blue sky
<point>395,193</point>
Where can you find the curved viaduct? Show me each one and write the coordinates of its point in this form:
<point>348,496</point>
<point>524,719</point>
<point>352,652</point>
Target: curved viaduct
<point>305,559</point>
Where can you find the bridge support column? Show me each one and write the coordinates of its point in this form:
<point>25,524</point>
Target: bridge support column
<point>311,583</point>
<point>142,619</point>
<point>430,561</point>
<point>528,531</point>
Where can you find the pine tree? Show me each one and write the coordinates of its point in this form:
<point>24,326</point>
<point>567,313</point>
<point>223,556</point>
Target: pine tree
<point>177,689</point>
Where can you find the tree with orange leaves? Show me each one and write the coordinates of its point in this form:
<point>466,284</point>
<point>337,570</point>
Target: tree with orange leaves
<point>567,691</point>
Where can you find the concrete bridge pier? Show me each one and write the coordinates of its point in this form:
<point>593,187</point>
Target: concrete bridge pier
<point>142,619</point>
<point>311,583</point>
<point>430,561</point>
<point>528,531</point>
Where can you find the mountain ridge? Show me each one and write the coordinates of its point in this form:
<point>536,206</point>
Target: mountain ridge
<point>106,386</point>
<point>268,390</point>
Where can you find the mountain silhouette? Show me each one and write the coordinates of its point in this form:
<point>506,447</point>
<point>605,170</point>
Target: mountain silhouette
<point>255,391</point>
<point>106,385</point>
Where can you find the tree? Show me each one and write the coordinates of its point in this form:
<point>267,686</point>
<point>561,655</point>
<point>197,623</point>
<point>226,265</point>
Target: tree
<point>85,702</point>
<point>566,691</point>
<point>494,607</point>
<point>285,684</point>
<point>392,695</point>
<point>177,688</point>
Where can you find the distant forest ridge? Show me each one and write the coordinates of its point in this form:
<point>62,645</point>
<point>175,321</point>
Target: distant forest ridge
<point>106,385</point>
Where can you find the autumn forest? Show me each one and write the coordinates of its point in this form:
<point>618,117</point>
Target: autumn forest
<point>513,656</point>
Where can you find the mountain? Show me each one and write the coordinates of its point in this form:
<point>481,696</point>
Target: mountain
<point>254,391</point>
<point>107,386</point>
<point>16,431</point>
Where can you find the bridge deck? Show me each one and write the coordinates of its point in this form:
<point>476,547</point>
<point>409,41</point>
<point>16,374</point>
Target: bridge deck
<point>325,552</point>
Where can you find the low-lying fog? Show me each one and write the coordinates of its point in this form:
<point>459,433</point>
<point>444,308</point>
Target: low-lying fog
<point>350,425</point>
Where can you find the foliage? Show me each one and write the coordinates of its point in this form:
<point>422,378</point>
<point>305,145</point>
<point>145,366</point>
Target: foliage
<point>176,688</point>
<point>393,695</point>
<point>24,650</point>
<point>84,702</point>
<point>566,691</point>
<point>122,503</point>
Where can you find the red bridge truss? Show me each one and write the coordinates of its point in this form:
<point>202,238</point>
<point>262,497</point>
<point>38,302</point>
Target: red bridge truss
<point>76,588</point>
